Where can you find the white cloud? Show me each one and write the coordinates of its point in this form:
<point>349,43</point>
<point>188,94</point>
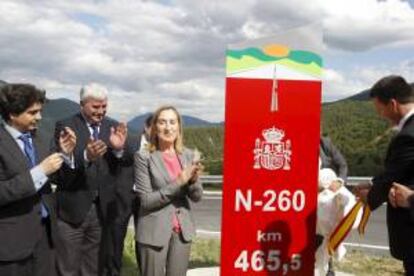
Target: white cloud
<point>358,25</point>
<point>338,85</point>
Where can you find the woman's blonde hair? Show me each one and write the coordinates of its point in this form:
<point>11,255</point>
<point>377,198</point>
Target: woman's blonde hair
<point>153,142</point>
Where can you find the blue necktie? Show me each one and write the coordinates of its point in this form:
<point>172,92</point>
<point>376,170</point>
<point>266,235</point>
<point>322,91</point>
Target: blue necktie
<point>95,131</point>
<point>28,149</point>
<point>31,157</point>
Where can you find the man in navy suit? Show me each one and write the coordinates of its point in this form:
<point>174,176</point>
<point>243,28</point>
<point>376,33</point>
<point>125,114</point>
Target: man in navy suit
<point>27,215</point>
<point>393,98</point>
<point>87,206</point>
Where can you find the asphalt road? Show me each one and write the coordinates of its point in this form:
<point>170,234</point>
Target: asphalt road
<point>208,220</point>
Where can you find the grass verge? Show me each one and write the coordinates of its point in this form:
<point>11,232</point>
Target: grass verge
<point>361,264</point>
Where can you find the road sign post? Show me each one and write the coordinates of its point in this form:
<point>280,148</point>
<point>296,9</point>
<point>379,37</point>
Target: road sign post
<point>272,118</point>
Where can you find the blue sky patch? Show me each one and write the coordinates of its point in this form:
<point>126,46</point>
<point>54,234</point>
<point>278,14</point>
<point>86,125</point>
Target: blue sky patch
<point>96,22</point>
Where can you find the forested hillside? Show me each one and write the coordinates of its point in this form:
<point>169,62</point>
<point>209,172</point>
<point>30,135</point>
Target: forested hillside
<point>209,141</point>
<point>359,133</point>
<point>354,127</point>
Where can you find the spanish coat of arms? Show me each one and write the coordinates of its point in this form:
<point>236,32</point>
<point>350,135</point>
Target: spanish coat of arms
<point>273,153</point>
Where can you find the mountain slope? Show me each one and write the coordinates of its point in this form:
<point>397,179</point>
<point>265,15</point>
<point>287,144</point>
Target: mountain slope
<point>363,95</point>
<point>55,110</point>
<point>360,134</point>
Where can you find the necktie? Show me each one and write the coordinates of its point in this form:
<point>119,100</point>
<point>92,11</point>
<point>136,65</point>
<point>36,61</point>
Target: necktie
<point>28,149</point>
<point>95,131</point>
<point>31,157</point>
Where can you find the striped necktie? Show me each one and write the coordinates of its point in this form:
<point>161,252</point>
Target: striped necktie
<point>95,131</point>
<point>26,138</point>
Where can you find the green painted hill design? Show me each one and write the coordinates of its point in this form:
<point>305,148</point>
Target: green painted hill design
<point>249,63</point>
<point>252,58</point>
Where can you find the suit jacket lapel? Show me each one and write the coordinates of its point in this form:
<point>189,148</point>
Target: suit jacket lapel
<point>9,144</point>
<point>84,133</point>
<point>104,131</point>
<point>408,121</point>
<point>156,158</point>
<point>391,145</point>
<point>40,150</point>
<point>183,160</point>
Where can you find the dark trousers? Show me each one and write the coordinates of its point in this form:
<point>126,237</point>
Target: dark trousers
<point>119,231</point>
<point>17,268</point>
<point>78,252</point>
<point>40,263</point>
<point>409,263</point>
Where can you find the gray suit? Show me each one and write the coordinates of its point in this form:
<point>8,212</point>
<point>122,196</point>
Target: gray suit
<point>160,198</point>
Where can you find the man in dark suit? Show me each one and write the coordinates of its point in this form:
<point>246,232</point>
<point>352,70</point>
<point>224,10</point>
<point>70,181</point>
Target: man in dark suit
<point>27,215</point>
<point>127,200</point>
<point>87,206</point>
<point>393,98</point>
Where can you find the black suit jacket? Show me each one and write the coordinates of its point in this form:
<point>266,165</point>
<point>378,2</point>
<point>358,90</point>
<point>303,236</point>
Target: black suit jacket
<point>75,197</point>
<point>399,167</point>
<point>20,215</point>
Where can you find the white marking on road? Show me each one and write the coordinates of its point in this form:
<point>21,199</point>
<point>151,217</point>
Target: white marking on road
<point>218,193</point>
<point>212,197</point>
<point>369,246</point>
<point>208,232</point>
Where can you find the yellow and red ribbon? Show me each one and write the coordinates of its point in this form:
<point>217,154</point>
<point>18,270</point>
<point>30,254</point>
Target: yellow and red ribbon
<point>345,225</point>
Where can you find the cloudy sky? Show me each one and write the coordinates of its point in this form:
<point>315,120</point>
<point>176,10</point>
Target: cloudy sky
<point>150,53</point>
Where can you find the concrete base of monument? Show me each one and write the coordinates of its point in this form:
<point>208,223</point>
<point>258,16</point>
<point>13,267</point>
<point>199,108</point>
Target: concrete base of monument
<point>214,271</point>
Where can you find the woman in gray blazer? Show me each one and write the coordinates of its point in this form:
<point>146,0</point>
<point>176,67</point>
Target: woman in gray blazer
<point>166,181</point>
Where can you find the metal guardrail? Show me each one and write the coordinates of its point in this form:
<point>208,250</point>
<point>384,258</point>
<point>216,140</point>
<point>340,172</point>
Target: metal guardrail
<point>354,180</point>
<point>218,179</point>
<point>212,179</point>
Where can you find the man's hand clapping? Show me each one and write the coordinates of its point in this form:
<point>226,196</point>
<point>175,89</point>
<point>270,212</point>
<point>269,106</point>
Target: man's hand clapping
<point>118,136</point>
<point>95,149</point>
<point>67,141</point>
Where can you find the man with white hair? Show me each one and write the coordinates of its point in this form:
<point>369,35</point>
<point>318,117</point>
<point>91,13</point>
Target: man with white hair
<point>86,206</point>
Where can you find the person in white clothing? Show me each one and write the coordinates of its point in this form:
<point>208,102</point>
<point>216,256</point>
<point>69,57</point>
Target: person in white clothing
<point>334,203</point>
